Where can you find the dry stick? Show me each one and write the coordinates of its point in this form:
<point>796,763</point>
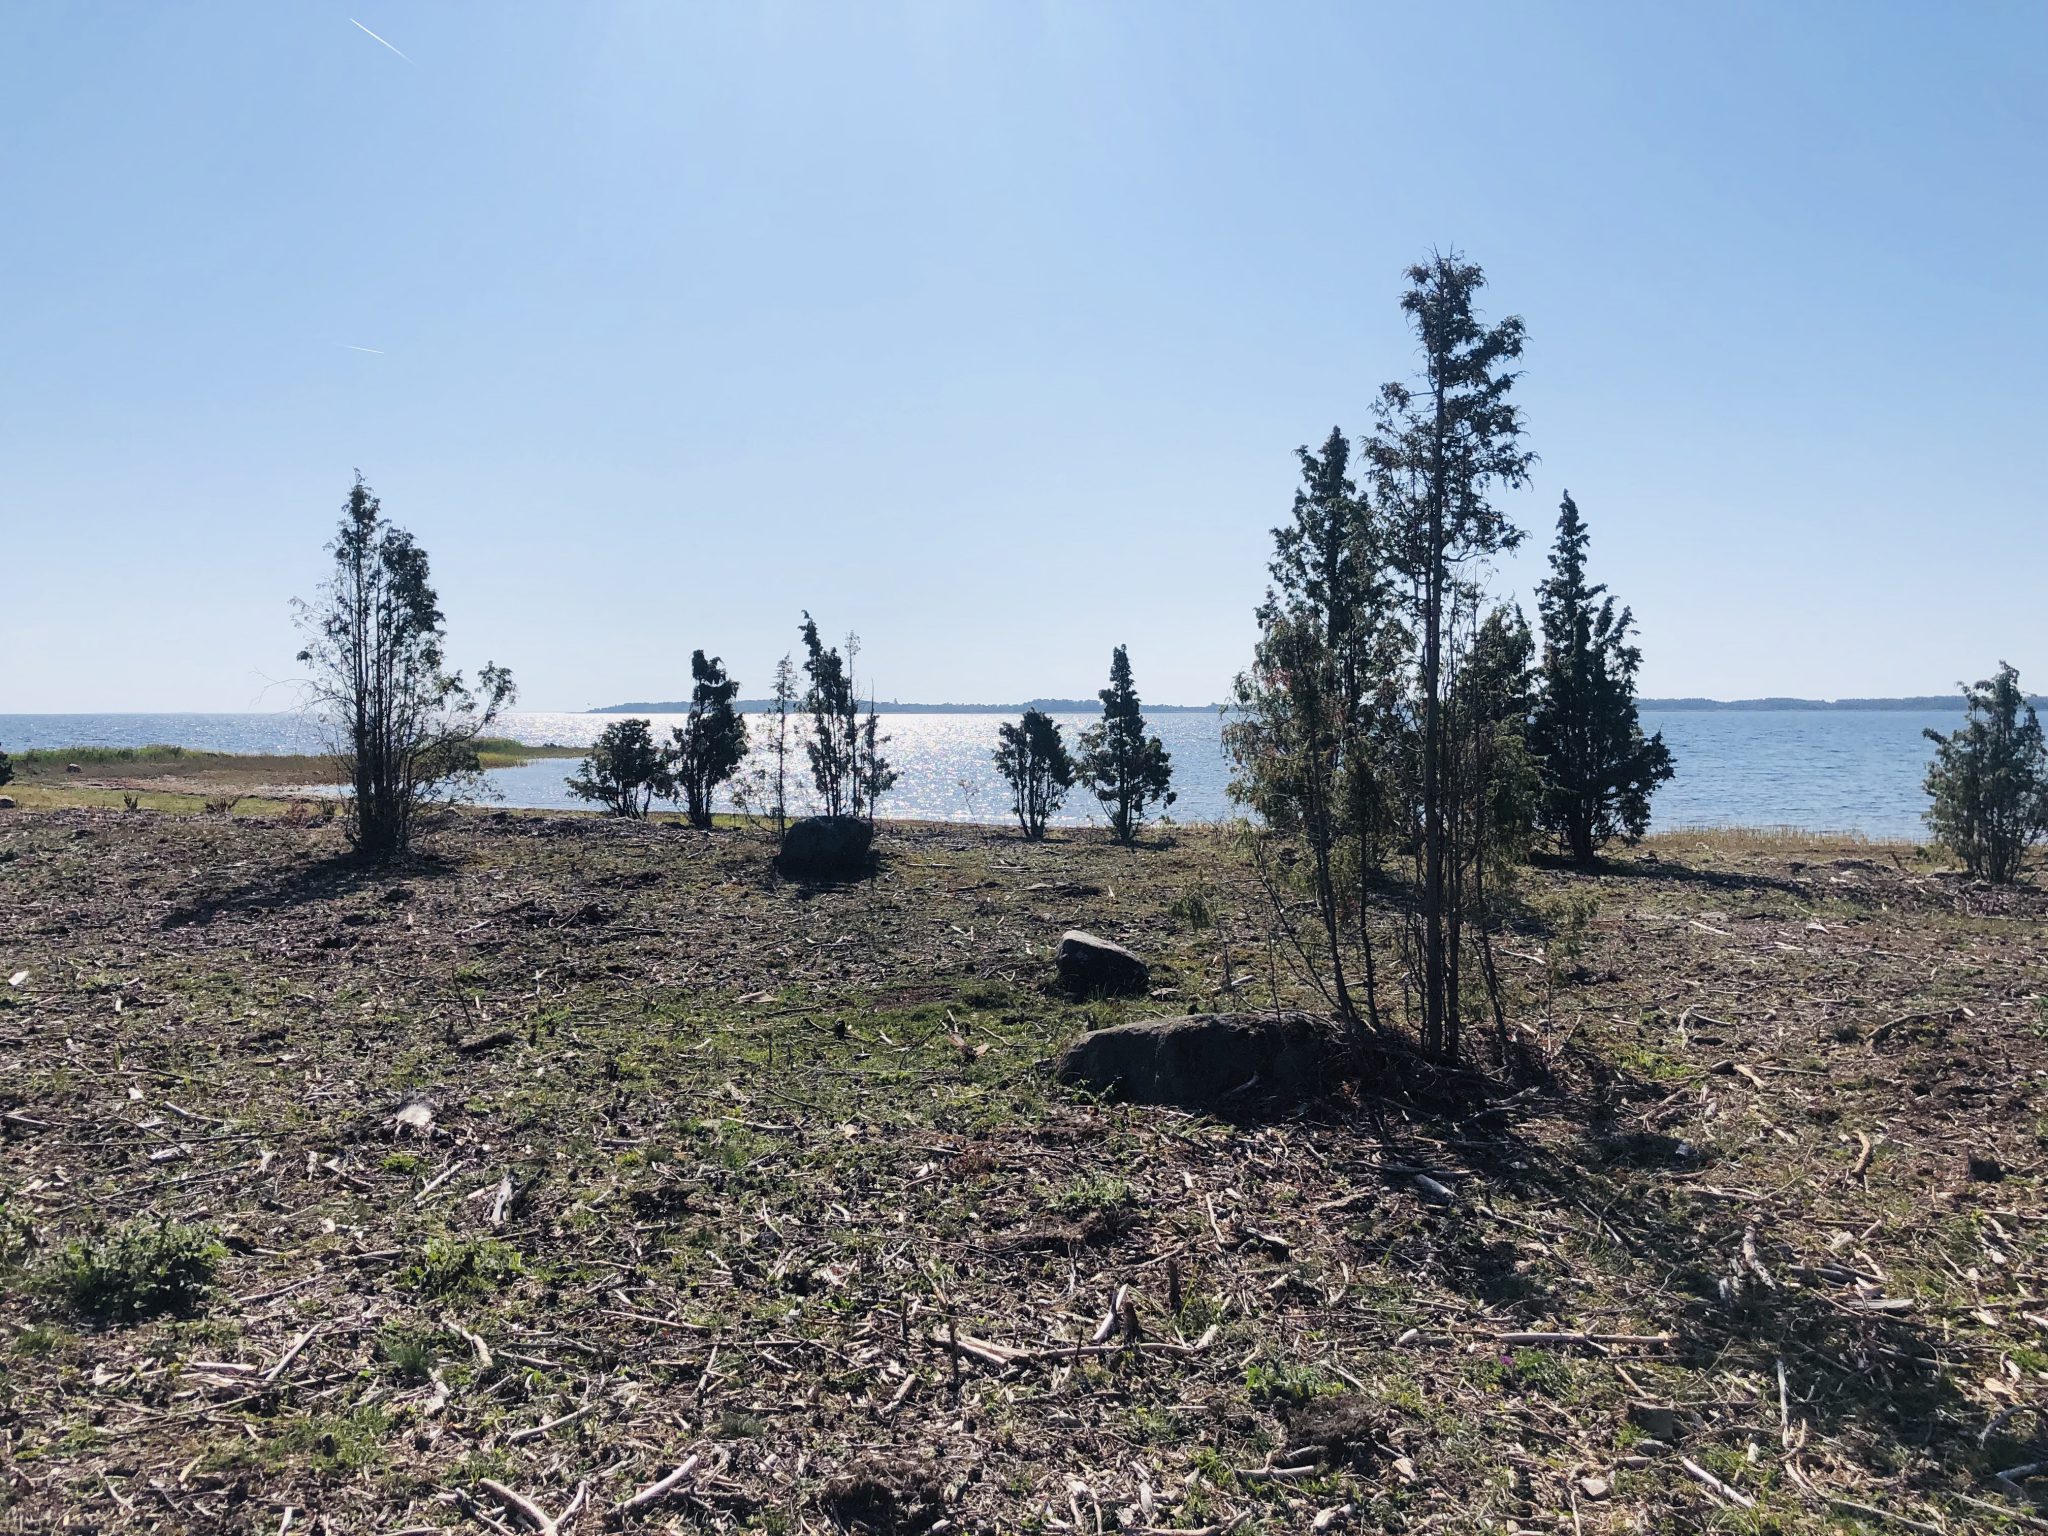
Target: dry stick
<point>1702,1475</point>
<point>502,1200</point>
<point>1645,1339</point>
<point>660,1488</point>
<point>291,1354</point>
<point>902,1395</point>
<point>1107,1326</point>
<point>536,1431</point>
<point>519,1505</point>
<point>438,1180</point>
<point>1884,1514</point>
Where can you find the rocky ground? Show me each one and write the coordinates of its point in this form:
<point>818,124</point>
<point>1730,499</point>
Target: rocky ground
<point>579,1162</point>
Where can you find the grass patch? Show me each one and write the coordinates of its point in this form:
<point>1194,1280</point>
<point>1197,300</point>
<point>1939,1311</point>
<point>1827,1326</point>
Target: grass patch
<point>464,1266</point>
<point>141,1270</point>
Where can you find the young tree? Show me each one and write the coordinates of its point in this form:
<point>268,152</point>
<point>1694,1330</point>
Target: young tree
<point>1307,729</point>
<point>785,697</point>
<point>1033,760</point>
<point>1599,770</point>
<point>834,747</point>
<point>1127,770</point>
<point>406,727</point>
<point>625,771</point>
<point>710,744</point>
<point>1438,450</point>
<point>1989,780</point>
<point>873,777</point>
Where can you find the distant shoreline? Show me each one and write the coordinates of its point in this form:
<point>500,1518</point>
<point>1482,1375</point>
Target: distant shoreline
<point>1924,703</point>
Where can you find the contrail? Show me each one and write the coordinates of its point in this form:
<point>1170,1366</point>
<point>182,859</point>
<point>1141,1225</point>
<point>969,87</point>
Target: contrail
<point>373,351</point>
<point>357,24</point>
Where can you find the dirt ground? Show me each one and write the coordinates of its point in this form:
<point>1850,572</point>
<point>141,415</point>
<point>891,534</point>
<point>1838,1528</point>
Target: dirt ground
<point>577,1153</point>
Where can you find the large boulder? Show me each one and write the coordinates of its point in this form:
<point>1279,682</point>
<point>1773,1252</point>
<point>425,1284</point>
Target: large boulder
<point>1095,967</point>
<point>6,802</point>
<point>1200,1060</point>
<point>826,848</point>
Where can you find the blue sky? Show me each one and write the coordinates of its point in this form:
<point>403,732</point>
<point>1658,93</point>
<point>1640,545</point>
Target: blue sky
<point>990,330</point>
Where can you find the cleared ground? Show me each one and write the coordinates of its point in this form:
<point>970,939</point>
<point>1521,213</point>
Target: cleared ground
<point>703,1164</point>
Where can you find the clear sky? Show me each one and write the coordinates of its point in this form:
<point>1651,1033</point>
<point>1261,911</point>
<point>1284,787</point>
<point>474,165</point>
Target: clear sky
<point>989,330</point>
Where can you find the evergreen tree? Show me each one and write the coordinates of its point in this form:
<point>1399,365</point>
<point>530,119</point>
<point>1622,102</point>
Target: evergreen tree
<point>711,743</point>
<point>1127,770</point>
<point>405,726</point>
<point>1599,771</point>
<point>1438,449</point>
<point>834,747</point>
<point>785,697</point>
<point>1033,760</point>
<point>1989,780</point>
<point>625,770</point>
<point>1308,725</point>
<point>6,769</point>
<point>873,776</point>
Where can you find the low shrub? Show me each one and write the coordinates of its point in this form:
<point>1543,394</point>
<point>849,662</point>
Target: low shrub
<point>139,1270</point>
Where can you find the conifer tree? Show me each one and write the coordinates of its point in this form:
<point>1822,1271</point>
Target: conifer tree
<point>1308,725</point>
<point>1989,780</point>
<point>711,743</point>
<point>1127,770</point>
<point>6,769</point>
<point>625,771</point>
<point>785,697</point>
<point>1599,770</point>
<point>1033,760</point>
<point>1438,449</point>
<point>834,747</point>
<point>405,726</point>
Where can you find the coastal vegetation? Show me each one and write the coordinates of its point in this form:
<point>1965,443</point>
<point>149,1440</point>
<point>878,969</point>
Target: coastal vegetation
<point>405,727</point>
<point>1126,770</point>
<point>1433,1149</point>
<point>1989,780</point>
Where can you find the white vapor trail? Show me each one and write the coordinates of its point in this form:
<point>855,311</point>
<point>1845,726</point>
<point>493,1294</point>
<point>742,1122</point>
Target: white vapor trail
<point>373,351</point>
<point>361,28</point>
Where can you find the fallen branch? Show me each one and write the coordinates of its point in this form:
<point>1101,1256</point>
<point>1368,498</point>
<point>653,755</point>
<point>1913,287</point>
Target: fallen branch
<point>660,1489</point>
<point>1701,1475</point>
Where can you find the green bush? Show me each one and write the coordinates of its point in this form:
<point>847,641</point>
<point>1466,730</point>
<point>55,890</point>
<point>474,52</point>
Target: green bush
<point>138,1271</point>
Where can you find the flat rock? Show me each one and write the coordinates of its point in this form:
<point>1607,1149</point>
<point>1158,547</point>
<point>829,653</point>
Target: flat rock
<point>1095,967</point>
<point>827,848</point>
<point>1199,1060</point>
<point>6,802</point>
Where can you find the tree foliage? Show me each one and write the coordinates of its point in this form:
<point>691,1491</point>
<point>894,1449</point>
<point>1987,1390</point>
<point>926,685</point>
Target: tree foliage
<point>405,725</point>
<point>711,743</point>
<point>1439,448</point>
<point>1309,729</point>
<point>1127,770</point>
<point>1033,760</point>
<point>845,751</point>
<point>1989,780</point>
<point>626,770</point>
<point>1599,770</point>
<point>6,769</point>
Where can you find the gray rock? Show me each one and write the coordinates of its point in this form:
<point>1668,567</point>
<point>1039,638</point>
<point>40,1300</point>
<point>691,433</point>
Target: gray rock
<point>826,848</point>
<point>6,802</point>
<point>1203,1059</point>
<point>1095,967</point>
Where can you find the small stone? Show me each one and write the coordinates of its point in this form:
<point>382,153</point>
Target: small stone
<point>1595,1487</point>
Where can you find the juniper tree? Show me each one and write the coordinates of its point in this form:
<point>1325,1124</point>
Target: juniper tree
<point>1599,770</point>
<point>1127,770</point>
<point>1309,718</point>
<point>785,697</point>
<point>834,747</point>
<point>1438,450</point>
<point>711,743</point>
<point>1033,760</point>
<point>873,777</point>
<point>625,772</point>
<point>405,726</point>
<point>1989,780</point>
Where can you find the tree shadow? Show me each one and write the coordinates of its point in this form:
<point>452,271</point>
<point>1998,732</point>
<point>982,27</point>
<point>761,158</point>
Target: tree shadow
<point>296,884</point>
<point>1704,1265</point>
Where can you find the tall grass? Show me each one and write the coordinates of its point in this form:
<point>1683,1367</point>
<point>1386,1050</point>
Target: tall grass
<point>60,756</point>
